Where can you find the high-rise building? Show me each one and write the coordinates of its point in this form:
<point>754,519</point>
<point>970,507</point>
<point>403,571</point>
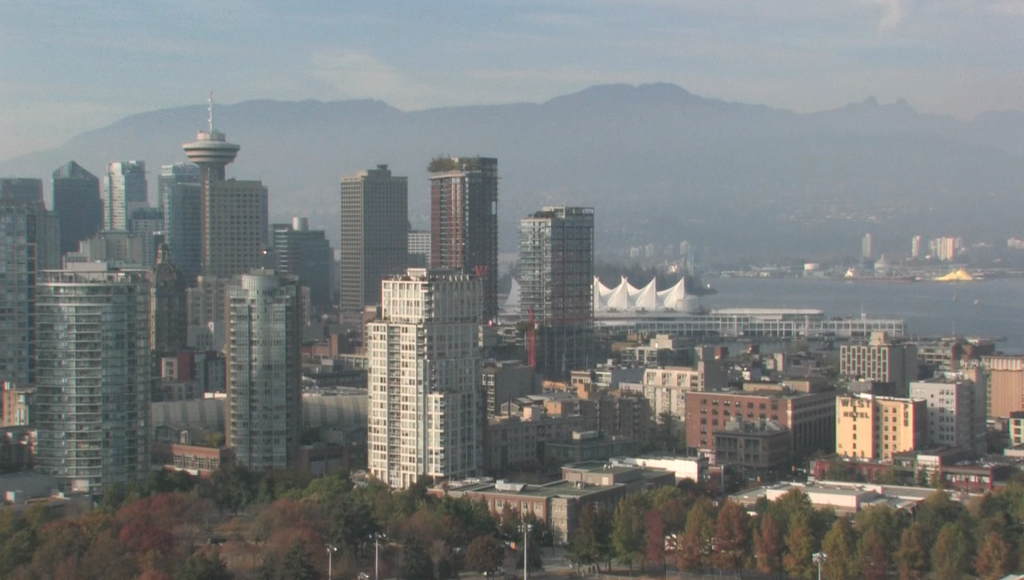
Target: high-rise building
<point>882,360</point>
<point>76,200</point>
<point>307,255</point>
<point>147,226</point>
<point>167,306</point>
<point>374,236</point>
<point>874,427</point>
<point>556,284</point>
<point>956,412</point>
<point>180,192</point>
<point>93,376</point>
<point>233,213</point>
<point>426,414</point>
<point>264,369</point>
<point>915,247</point>
<point>124,191</point>
<point>419,247</point>
<point>464,221</point>
<point>29,242</point>
<point>867,249</point>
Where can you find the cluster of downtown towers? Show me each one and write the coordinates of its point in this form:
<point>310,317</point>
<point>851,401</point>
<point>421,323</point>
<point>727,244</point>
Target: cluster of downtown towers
<point>87,336</point>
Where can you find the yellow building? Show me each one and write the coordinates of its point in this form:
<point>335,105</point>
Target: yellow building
<point>873,427</point>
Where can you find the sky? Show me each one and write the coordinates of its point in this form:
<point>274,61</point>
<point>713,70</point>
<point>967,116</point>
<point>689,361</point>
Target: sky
<point>67,67</point>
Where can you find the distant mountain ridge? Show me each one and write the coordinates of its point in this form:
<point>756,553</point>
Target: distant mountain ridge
<point>658,163</point>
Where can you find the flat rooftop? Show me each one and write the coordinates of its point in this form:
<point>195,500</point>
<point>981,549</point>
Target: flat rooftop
<point>560,488</point>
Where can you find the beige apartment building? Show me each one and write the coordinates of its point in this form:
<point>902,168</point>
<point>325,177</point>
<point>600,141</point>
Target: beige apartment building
<point>873,427</point>
<point>1006,385</point>
<point>666,387</point>
<point>882,360</point>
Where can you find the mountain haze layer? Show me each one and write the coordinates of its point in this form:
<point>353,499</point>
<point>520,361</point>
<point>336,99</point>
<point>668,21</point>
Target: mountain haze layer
<point>659,164</point>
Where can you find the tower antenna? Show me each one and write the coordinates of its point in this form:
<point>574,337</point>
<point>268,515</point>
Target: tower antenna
<point>209,109</point>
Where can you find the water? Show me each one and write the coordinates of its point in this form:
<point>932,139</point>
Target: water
<point>993,308</point>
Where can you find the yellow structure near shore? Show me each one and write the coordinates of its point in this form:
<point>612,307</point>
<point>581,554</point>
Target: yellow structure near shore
<point>959,275</point>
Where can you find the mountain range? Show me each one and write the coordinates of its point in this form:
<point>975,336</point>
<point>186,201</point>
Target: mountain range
<point>658,163</point>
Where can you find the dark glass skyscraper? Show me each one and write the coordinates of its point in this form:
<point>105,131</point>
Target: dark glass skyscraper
<point>76,199</point>
<point>556,282</point>
<point>305,255</point>
<point>374,236</point>
<point>180,190</point>
<point>29,242</point>
<point>464,220</point>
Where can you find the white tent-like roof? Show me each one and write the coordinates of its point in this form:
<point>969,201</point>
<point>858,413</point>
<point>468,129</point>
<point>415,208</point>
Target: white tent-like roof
<point>627,298</point>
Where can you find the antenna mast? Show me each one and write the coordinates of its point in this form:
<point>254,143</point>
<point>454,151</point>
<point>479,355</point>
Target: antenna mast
<point>209,110</point>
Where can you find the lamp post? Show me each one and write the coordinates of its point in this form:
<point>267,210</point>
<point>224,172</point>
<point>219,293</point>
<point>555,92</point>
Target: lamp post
<point>526,529</point>
<point>377,537</point>
<point>819,559</point>
<point>331,549</point>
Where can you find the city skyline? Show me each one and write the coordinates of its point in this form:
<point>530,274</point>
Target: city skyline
<point>955,58</point>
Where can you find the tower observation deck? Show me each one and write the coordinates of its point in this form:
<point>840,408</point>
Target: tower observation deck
<point>211,151</point>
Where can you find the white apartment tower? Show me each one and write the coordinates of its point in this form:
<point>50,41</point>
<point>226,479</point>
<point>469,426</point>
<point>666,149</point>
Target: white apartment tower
<point>91,403</point>
<point>956,411</point>
<point>264,369</point>
<point>426,415</point>
<point>124,191</point>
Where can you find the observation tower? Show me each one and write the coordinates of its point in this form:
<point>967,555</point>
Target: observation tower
<point>211,151</point>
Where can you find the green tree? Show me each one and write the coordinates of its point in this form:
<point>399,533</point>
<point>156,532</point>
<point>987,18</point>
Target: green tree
<point>873,555</point>
<point>584,549</point>
<point>199,566</point>
<point>694,548</point>
<point>912,558</point>
<point>297,564</point>
<point>840,545</point>
<point>629,533</point>
<point>800,546</point>
<point>950,553</point>
<point>17,550</point>
<point>484,554</point>
<point>993,559</point>
<point>416,563</point>
<point>732,537</point>
<point>768,546</point>
<point>883,520</point>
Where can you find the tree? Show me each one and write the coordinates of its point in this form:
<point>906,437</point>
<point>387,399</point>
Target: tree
<point>949,554</point>
<point>693,549</point>
<point>629,533</point>
<point>416,564</point>
<point>911,558</point>
<point>297,564</point>
<point>484,554</point>
<point>732,537</point>
<point>584,549</point>
<point>768,546</point>
<point>202,567</point>
<point>873,555</point>
<point>655,551</point>
<point>800,546</point>
<point>992,561</point>
<point>840,545</point>
<point>17,550</point>
<point>665,420</point>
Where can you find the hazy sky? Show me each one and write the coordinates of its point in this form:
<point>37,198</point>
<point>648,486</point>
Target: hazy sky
<point>70,66</point>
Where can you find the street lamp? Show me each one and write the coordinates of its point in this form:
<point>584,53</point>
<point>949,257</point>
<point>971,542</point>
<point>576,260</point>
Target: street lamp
<point>377,537</point>
<point>331,549</point>
<point>819,559</point>
<point>526,529</point>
